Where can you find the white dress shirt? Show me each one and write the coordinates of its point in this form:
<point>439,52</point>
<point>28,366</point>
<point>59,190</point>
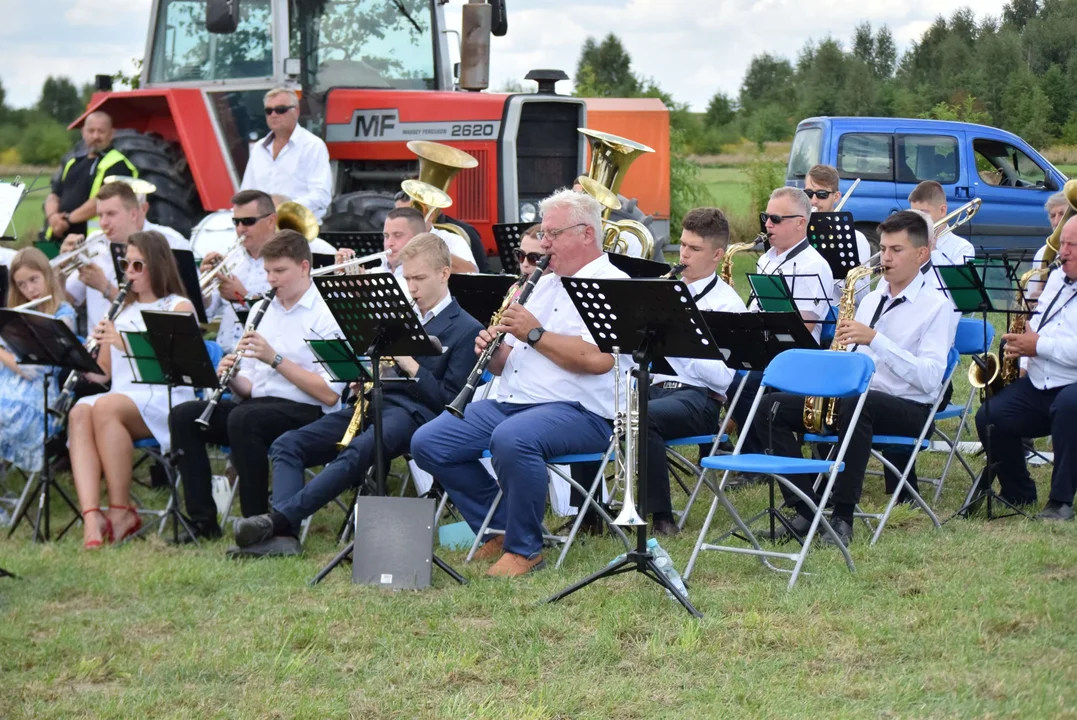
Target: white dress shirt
<point>437,309</point>
<point>457,245</point>
<point>300,171</point>
<point>531,377</point>
<point>287,331</point>
<point>1055,320</point>
<point>952,249</point>
<point>808,275</point>
<point>176,241</point>
<point>252,274</point>
<point>913,338</point>
<point>711,374</point>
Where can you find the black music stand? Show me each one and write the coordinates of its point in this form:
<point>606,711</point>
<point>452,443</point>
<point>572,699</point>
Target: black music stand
<point>507,237</point>
<point>171,352</point>
<point>635,267</point>
<point>833,235</point>
<point>363,242</point>
<point>650,319</point>
<point>979,286</point>
<point>188,273</point>
<point>377,321</point>
<point>480,294</point>
<point>39,339</point>
<point>321,260</point>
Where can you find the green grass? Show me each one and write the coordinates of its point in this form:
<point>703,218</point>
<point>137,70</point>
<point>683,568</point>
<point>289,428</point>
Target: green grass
<point>30,215</point>
<point>1069,171</point>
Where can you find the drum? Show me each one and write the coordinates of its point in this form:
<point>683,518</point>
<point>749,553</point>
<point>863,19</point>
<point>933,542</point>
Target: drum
<point>215,233</point>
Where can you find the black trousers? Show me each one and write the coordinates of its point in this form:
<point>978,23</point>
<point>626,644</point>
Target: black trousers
<point>899,456</point>
<point>751,382</point>
<point>248,428</point>
<point>1021,410</point>
<point>671,413</point>
<point>883,414</point>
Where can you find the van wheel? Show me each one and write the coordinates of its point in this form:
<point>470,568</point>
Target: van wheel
<point>869,232</point>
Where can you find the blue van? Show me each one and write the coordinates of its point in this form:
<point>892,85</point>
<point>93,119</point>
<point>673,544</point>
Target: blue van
<point>892,155</point>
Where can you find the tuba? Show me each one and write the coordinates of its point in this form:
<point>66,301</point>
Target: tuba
<point>438,165</point>
<point>821,413</point>
<point>293,216</point>
<point>611,156</point>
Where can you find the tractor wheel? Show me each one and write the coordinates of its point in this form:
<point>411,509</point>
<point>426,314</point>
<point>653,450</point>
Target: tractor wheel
<point>630,211</point>
<point>176,202</point>
<point>362,211</point>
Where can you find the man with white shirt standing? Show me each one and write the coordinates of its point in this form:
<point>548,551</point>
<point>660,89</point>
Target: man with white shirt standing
<point>904,326</point>
<point>406,406</point>
<point>555,396</point>
<point>1044,401</point>
<point>290,160</point>
<point>280,386</point>
<point>821,185</point>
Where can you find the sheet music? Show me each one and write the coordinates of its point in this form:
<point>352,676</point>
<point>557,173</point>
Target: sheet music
<point>10,194</point>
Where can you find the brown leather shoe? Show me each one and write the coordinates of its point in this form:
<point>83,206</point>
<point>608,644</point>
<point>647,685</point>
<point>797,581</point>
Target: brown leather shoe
<point>513,565</point>
<point>491,549</point>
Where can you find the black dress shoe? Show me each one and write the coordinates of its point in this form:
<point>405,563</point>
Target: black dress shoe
<point>253,530</point>
<point>1054,510</point>
<point>842,528</point>
<point>664,527</point>
<point>737,480</point>
<point>280,546</point>
<point>799,523</point>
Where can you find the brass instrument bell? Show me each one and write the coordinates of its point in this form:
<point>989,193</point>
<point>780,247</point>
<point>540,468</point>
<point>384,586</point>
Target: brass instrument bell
<point>138,185</point>
<point>294,216</point>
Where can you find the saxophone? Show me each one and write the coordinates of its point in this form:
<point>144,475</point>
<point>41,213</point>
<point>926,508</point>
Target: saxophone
<point>727,261</point>
<point>815,420</point>
<point>356,421</point>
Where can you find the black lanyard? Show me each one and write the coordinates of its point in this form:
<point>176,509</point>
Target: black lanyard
<point>703,293</point>
<point>926,268</point>
<point>799,248</point>
<point>879,312</point>
<point>1047,316</point>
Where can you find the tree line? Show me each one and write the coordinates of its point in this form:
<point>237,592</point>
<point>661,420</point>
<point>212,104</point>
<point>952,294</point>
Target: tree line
<point>38,135</point>
<point>1015,71</point>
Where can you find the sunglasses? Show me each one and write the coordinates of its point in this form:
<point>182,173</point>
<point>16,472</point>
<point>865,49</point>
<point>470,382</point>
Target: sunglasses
<point>279,109</point>
<point>132,265</point>
<point>248,221</point>
<point>821,194</point>
<point>775,219</point>
<point>531,257</point>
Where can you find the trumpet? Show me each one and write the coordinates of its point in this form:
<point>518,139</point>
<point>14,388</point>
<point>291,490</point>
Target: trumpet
<point>33,303</point>
<point>83,254</point>
<point>352,264</point>
<point>626,428</point>
<point>210,281</point>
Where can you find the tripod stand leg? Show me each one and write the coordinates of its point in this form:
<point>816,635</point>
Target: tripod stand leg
<point>74,508</point>
<point>341,557</point>
<point>659,577</point>
<point>623,566</point>
<point>448,570</point>
<point>8,573</point>
<point>24,511</point>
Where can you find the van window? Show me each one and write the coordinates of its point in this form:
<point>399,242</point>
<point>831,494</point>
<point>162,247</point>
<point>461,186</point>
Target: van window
<point>1003,165</point>
<point>866,156</point>
<point>927,157</point>
<point>807,151</point>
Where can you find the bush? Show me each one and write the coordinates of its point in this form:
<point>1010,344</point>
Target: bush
<point>763,177</point>
<point>44,143</point>
<point>687,190</point>
<point>10,157</point>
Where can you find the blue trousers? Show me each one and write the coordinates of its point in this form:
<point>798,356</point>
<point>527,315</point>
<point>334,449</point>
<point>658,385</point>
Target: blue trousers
<point>520,439</point>
<point>316,444</point>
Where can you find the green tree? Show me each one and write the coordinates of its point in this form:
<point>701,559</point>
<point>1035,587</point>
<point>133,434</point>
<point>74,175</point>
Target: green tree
<point>720,111</point>
<point>885,56</point>
<point>1018,13</point>
<point>59,100</point>
<point>44,143</point>
<point>606,69</point>
<point>769,79</point>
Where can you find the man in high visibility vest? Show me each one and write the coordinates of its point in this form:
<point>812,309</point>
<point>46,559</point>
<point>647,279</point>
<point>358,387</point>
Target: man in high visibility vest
<point>72,202</point>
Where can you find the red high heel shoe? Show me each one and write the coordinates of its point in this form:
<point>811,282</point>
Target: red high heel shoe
<point>106,532</point>
<point>134,528</point>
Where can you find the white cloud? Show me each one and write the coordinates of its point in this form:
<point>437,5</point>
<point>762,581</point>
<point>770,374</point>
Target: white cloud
<point>100,13</point>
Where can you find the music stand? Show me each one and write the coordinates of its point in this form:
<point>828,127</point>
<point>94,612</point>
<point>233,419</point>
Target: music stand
<point>635,267</point>
<point>321,260</point>
<point>363,242</point>
<point>649,319</point>
<point>507,237</point>
<point>480,295</point>
<point>39,339</point>
<point>188,273</point>
<point>377,321</point>
<point>973,288</point>
<point>833,235</point>
<point>171,352</point>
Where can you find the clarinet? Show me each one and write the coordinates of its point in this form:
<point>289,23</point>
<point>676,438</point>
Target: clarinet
<point>66,399</point>
<point>230,373</point>
<point>456,407</point>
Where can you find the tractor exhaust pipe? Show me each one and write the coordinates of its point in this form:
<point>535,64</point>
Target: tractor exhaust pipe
<point>475,35</point>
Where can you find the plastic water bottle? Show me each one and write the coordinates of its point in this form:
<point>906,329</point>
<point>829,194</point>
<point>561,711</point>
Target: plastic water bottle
<point>665,565</point>
<point>618,559</point>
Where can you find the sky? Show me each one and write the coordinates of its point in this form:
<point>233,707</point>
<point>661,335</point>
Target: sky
<point>691,48</point>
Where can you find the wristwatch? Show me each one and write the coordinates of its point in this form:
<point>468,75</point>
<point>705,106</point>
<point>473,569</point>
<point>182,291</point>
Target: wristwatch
<point>535,335</point>
<point>276,362</point>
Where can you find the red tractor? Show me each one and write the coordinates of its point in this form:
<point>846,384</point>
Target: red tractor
<point>372,75</point>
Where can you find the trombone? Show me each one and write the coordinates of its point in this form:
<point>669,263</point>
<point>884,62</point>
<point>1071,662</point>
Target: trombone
<point>955,219</point>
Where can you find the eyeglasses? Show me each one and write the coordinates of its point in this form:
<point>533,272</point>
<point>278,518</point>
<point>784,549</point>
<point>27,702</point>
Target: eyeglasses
<point>279,109</point>
<point>531,257</point>
<point>775,219</point>
<point>821,194</point>
<point>248,221</point>
<point>133,265</point>
<point>554,234</point>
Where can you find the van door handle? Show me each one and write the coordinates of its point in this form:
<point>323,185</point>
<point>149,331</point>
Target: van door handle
<point>961,192</point>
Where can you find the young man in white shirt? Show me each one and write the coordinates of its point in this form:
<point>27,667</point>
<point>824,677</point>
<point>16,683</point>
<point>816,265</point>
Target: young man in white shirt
<point>1044,401</point>
<point>290,160</point>
<point>407,405</point>
<point>555,396</point>
<point>904,326</point>
<point>821,185</point>
<point>255,218</point>
<point>947,248</point>
<point>280,386</point>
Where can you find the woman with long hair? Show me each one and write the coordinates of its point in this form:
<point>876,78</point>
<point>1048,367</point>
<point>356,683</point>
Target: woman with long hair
<point>22,416</point>
<point>102,428</point>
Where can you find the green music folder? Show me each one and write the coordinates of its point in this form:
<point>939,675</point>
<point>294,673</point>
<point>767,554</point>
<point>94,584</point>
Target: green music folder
<point>337,357</point>
<point>146,366</point>
<point>771,292</point>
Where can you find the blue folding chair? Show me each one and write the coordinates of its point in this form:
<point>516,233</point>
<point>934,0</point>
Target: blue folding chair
<point>816,373</point>
<point>971,339</point>
<point>917,444</point>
